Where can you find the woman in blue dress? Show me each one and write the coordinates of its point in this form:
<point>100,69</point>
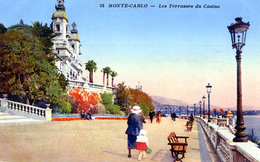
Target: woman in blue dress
<point>134,126</point>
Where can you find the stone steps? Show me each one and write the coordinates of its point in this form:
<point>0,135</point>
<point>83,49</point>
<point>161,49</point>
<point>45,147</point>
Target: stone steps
<point>8,119</point>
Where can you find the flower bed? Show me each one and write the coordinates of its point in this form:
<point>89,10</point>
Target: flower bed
<point>66,118</point>
<point>110,118</point>
<point>94,117</point>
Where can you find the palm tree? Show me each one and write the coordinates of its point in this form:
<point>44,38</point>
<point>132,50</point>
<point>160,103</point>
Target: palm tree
<point>106,70</point>
<point>91,66</point>
<point>113,75</point>
<point>104,74</point>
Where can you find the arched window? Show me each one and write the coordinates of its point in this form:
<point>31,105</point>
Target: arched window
<point>58,27</point>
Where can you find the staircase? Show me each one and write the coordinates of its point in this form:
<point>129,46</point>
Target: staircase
<point>8,119</point>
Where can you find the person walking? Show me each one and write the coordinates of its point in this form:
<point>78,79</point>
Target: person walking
<point>133,130</point>
<point>151,116</point>
<point>142,144</point>
<point>158,117</point>
<point>173,116</point>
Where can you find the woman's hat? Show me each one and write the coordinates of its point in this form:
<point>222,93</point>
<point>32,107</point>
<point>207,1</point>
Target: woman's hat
<point>136,109</point>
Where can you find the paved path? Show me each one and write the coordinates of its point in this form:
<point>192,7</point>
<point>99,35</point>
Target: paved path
<point>92,141</point>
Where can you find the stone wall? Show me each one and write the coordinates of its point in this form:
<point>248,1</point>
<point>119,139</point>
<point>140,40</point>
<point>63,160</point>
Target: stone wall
<point>221,138</point>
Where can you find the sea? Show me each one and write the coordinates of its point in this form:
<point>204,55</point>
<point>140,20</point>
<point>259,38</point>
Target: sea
<point>252,122</point>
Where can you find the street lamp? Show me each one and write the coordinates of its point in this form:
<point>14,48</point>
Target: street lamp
<point>194,110</point>
<point>208,91</point>
<point>238,38</point>
<point>203,99</point>
<point>187,110</point>
<point>200,108</point>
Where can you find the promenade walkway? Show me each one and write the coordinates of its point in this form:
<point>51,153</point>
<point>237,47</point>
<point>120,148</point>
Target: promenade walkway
<point>95,141</point>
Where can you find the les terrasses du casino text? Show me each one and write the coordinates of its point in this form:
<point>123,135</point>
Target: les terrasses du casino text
<point>126,5</point>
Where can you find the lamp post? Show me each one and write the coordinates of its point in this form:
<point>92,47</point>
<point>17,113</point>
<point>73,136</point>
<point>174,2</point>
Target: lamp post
<point>200,108</point>
<point>194,109</point>
<point>238,37</point>
<point>208,91</point>
<point>203,99</point>
<point>187,110</point>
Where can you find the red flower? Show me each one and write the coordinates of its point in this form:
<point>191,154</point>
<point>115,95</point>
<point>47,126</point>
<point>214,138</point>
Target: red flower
<point>84,98</point>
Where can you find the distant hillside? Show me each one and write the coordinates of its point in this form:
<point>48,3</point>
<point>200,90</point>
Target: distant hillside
<point>159,101</point>
<point>166,101</point>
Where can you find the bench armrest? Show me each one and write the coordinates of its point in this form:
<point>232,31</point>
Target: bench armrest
<point>178,144</point>
<point>182,137</point>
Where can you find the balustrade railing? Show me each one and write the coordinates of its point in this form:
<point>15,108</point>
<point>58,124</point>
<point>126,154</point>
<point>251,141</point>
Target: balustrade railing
<point>29,111</point>
<point>26,108</point>
<point>220,135</point>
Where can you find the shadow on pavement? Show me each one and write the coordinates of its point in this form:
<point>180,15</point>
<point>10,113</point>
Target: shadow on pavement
<point>118,154</point>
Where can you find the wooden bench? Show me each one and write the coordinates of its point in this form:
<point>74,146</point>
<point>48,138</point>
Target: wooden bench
<point>189,125</point>
<point>178,146</point>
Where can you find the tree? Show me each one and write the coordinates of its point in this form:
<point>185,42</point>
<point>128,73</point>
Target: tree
<point>106,70</point>
<point>143,100</point>
<point>91,66</point>
<point>45,34</point>
<point>104,74</point>
<point>64,82</point>
<point>113,75</point>
<point>126,98</point>
<point>28,66</point>
<point>2,28</point>
<point>84,99</point>
<point>100,108</point>
<point>107,101</point>
<point>123,98</point>
<point>106,98</point>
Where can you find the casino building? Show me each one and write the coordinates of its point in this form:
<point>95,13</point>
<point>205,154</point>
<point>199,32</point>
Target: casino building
<point>67,46</point>
<point>68,49</point>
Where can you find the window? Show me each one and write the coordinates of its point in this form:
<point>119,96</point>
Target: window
<point>58,27</point>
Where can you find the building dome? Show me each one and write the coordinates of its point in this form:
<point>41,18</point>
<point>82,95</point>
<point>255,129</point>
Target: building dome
<point>74,37</point>
<point>59,14</point>
<point>74,32</point>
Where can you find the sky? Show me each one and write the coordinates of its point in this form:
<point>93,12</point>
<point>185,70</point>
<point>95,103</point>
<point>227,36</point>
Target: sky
<point>171,52</point>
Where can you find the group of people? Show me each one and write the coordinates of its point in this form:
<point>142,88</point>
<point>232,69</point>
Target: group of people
<point>86,115</point>
<point>135,133</point>
<point>158,116</point>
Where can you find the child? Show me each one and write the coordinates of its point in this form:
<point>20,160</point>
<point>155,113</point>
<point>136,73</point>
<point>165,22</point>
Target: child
<point>142,143</point>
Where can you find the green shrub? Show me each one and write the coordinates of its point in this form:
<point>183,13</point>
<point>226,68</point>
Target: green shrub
<point>100,108</point>
<point>106,98</point>
<point>64,107</point>
<point>145,109</point>
<point>114,109</point>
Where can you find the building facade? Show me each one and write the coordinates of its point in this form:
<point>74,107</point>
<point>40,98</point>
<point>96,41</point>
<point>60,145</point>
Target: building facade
<point>67,48</point>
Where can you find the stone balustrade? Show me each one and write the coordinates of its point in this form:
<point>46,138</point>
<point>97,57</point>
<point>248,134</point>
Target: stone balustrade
<point>220,133</point>
<point>29,111</point>
<point>98,88</point>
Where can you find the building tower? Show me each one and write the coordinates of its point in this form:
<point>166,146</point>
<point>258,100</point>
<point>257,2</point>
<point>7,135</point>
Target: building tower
<point>67,46</point>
